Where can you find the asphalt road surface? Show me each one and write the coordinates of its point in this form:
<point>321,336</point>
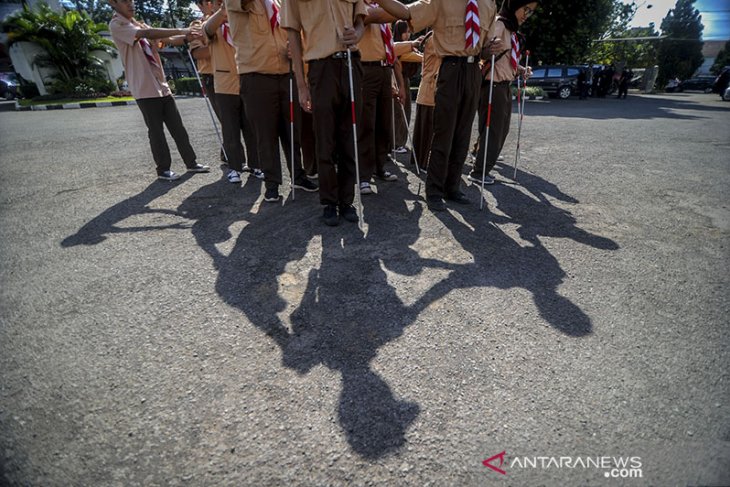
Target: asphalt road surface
<point>575,332</point>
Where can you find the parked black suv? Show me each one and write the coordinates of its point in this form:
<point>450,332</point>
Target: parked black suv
<point>558,80</point>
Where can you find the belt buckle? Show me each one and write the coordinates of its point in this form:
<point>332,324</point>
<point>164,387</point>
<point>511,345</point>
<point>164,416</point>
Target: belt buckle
<point>338,55</point>
<point>470,59</point>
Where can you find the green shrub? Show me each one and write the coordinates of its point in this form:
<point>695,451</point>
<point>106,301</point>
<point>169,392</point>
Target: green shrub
<point>82,88</point>
<point>187,86</point>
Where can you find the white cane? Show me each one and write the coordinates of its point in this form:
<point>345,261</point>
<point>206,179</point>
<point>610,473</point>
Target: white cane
<point>521,112</point>
<point>413,148</point>
<point>291,127</point>
<point>486,133</point>
<point>207,102</point>
<point>392,117</point>
<point>354,139</point>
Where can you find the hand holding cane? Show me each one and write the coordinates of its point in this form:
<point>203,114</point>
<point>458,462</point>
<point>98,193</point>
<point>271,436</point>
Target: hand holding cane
<point>207,102</point>
<point>354,138</point>
<point>486,132</point>
<point>521,106</point>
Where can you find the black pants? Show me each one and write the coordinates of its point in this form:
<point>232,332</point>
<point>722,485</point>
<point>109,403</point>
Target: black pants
<point>423,134</point>
<point>330,90</point>
<point>266,98</point>
<point>376,123</point>
<point>163,111</point>
<point>498,126</point>
<point>401,127</point>
<point>234,124</point>
<point>457,98</point>
<point>209,87</point>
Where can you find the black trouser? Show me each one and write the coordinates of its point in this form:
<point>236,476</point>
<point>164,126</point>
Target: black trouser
<point>159,111</point>
<point>376,123</point>
<point>209,87</point>
<point>498,126</point>
<point>233,123</point>
<point>306,139</point>
<point>266,98</point>
<point>330,90</point>
<point>457,98</point>
<point>423,134</point>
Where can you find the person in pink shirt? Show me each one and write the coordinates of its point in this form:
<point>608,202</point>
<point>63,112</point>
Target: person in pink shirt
<point>146,79</point>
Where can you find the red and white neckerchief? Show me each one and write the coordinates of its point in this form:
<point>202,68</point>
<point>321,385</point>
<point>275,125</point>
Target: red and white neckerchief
<point>226,31</point>
<point>515,55</point>
<point>471,24</point>
<point>147,50</point>
<point>387,36</point>
<point>272,11</point>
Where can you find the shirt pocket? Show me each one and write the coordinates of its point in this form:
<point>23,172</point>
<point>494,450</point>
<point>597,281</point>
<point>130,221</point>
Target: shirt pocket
<point>454,30</point>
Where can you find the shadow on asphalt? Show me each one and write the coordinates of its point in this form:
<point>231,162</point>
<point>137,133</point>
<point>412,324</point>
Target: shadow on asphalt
<point>632,108</point>
<point>347,309</point>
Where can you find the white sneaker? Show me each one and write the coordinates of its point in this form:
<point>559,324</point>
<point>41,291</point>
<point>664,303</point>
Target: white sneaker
<point>258,173</point>
<point>387,176</point>
<point>169,176</point>
<point>365,188</point>
<point>234,176</point>
<point>401,150</point>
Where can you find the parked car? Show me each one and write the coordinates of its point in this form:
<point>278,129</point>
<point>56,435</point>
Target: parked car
<point>722,81</point>
<point>726,94</point>
<point>698,83</point>
<point>8,89</point>
<point>557,81</point>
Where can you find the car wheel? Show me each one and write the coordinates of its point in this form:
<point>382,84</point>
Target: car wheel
<point>9,95</point>
<point>708,90</point>
<point>565,92</point>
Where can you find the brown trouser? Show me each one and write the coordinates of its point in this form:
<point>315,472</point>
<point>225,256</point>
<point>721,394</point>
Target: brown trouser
<point>423,134</point>
<point>163,111</point>
<point>234,123</point>
<point>209,87</point>
<point>498,125</point>
<point>457,98</point>
<point>309,155</point>
<point>376,122</point>
<point>330,90</point>
<point>266,98</point>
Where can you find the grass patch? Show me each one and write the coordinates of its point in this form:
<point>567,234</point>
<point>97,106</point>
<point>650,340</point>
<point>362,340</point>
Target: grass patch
<point>63,101</point>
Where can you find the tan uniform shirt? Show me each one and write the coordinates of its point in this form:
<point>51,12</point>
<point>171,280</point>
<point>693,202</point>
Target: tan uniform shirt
<point>223,56</point>
<point>429,76</point>
<point>502,67</point>
<point>144,79</point>
<point>322,23</point>
<point>447,17</point>
<point>371,45</point>
<point>258,49</point>
<point>204,65</point>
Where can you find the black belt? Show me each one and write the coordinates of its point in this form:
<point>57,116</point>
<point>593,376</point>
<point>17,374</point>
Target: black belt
<point>462,59</point>
<point>343,55</point>
<point>376,63</point>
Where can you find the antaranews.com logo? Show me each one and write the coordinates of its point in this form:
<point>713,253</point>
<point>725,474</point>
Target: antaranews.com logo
<point>612,467</point>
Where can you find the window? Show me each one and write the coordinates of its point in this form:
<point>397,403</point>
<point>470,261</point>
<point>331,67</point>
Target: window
<point>555,72</point>
<point>538,73</point>
<point>572,72</point>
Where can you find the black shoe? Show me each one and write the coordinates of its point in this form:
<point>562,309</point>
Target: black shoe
<point>348,213</point>
<point>271,195</point>
<point>330,216</point>
<point>458,197</point>
<point>435,203</point>
<point>306,185</point>
<point>199,168</point>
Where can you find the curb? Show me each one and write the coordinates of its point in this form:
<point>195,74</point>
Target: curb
<point>530,98</point>
<point>69,106</point>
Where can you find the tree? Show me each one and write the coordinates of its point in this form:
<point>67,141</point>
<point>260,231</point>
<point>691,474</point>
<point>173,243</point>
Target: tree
<point>680,54</point>
<point>563,31</point>
<point>610,49</point>
<point>722,59</point>
<point>69,40</point>
<point>158,13</point>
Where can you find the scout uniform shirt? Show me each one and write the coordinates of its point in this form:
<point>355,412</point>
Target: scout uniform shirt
<point>223,56</point>
<point>447,17</point>
<point>429,76</point>
<point>322,23</point>
<point>205,66</point>
<point>260,48</point>
<point>145,80</point>
<point>503,66</point>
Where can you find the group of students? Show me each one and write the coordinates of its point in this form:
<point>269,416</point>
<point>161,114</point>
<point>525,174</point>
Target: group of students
<point>346,73</point>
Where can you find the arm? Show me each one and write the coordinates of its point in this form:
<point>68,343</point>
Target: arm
<point>295,47</point>
<point>352,35</point>
<point>210,27</point>
<point>159,33</point>
<point>396,9</point>
<point>379,16</point>
<point>398,70</point>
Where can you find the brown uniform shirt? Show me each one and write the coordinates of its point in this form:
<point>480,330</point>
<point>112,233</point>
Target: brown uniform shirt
<point>429,76</point>
<point>258,49</point>
<point>447,17</point>
<point>502,67</point>
<point>204,65</point>
<point>223,56</point>
<point>322,23</point>
<point>371,45</point>
<point>144,79</point>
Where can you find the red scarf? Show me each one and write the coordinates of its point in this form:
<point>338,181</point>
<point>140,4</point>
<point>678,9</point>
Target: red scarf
<point>471,24</point>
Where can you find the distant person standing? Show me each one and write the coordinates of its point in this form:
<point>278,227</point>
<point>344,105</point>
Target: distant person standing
<point>146,79</point>
<point>623,84</point>
<point>582,84</point>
